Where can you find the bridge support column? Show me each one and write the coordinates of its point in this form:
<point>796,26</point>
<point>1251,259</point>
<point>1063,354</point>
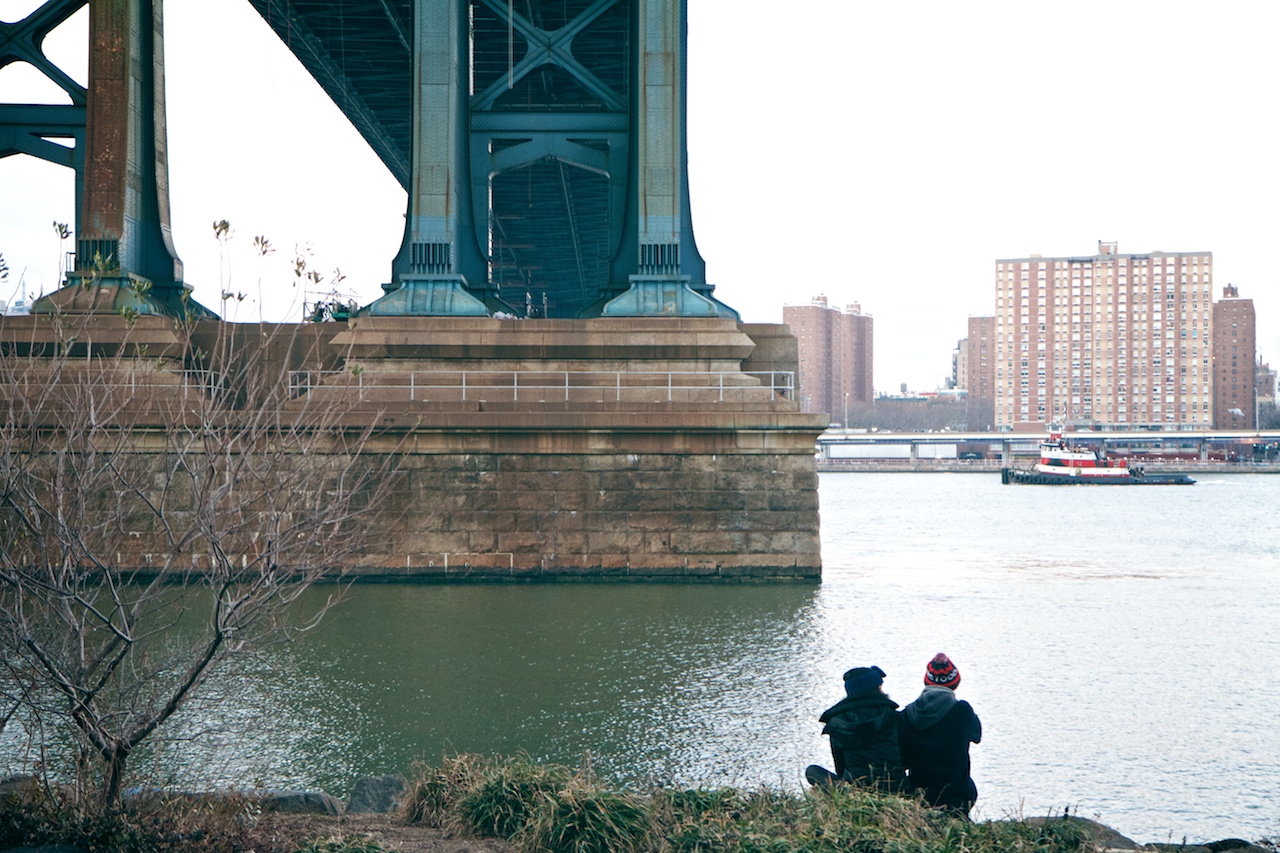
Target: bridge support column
<point>439,261</point>
<point>666,255</point>
<point>125,258</point>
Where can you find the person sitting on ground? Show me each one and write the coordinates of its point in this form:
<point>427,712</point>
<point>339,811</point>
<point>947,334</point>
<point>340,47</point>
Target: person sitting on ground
<point>863,728</point>
<point>936,732</point>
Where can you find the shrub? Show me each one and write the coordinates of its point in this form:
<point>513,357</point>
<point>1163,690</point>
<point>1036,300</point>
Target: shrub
<point>145,823</point>
<point>582,818</point>
<point>693,820</point>
<point>872,817</point>
<point>433,792</point>
<point>551,808</point>
<point>1018,836</point>
<point>506,796</point>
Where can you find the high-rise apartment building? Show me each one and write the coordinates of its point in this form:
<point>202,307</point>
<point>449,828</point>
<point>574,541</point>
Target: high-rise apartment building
<point>1234,345</point>
<point>980,369</point>
<point>835,356</point>
<point>960,365</point>
<point>1108,340</point>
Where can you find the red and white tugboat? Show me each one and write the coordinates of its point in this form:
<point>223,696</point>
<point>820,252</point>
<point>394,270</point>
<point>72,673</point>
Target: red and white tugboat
<point>1061,464</point>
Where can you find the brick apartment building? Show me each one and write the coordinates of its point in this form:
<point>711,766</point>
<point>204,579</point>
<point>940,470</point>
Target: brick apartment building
<point>1234,351</point>
<point>835,356</point>
<point>980,372</point>
<point>1107,340</point>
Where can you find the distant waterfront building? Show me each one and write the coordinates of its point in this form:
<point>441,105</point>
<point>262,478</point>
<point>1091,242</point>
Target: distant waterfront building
<point>1264,381</point>
<point>835,356</point>
<point>1108,340</point>
<point>960,365</point>
<point>1234,350</point>
<point>1264,388</point>
<point>980,369</point>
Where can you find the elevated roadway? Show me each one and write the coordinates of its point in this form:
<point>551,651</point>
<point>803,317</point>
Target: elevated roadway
<point>845,449</point>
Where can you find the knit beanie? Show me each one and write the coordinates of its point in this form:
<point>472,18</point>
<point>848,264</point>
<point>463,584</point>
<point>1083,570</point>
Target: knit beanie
<point>941,672</point>
<point>863,679</point>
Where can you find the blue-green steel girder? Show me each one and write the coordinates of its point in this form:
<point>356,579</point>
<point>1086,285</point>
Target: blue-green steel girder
<point>29,128</point>
<point>22,41</point>
<point>548,48</point>
<point>125,259</point>
<point>554,173</point>
<point>546,169</point>
<point>367,76</point>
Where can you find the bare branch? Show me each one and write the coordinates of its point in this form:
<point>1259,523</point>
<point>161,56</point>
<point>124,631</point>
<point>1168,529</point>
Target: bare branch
<point>164,501</point>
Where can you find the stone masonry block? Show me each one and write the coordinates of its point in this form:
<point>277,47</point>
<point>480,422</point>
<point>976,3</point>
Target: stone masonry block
<point>617,500</point>
<point>657,568</point>
<point>569,542</point>
<point>529,500</point>
<point>690,464</point>
<point>617,541</point>
<point>761,481</point>
<point>632,481</point>
<point>657,521</point>
<point>691,542</point>
<point>576,520</point>
<point>713,519</point>
<point>695,482</point>
<point>788,501</point>
<point>483,541</point>
<point>525,541</point>
<point>496,521</point>
<point>664,562</point>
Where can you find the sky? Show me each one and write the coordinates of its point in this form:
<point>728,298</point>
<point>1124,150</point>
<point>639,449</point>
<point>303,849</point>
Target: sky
<point>879,153</point>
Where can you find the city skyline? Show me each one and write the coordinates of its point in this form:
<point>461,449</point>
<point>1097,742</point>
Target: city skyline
<point>897,154</point>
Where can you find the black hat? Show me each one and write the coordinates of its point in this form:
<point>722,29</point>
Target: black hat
<point>863,679</point>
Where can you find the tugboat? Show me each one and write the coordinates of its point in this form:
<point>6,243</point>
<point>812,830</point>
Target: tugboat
<point>1061,464</point>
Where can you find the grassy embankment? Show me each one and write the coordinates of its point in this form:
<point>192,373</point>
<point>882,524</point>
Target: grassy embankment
<point>538,807</point>
<point>551,807</point>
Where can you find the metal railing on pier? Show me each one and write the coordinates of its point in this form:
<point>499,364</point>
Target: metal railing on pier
<point>542,385</point>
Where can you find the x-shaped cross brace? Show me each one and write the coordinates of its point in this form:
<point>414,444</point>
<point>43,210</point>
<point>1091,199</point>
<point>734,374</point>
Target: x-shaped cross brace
<point>554,48</point>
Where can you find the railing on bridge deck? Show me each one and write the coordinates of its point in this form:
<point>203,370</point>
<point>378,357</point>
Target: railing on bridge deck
<point>474,385</point>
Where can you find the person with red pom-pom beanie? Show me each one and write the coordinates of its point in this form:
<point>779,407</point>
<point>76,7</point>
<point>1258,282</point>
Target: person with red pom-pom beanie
<point>936,732</point>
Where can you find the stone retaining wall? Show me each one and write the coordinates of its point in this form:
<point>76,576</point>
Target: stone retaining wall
<point>711,480</point>
<point>602,516</point>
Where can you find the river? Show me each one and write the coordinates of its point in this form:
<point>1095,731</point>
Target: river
<point>1119,644</point>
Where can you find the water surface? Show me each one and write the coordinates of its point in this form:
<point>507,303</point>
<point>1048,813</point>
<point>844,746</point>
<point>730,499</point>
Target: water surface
<point>1119,645</point>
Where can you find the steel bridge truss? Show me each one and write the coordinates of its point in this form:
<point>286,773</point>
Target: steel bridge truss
<point>561,191</point>
<point>32,128</point>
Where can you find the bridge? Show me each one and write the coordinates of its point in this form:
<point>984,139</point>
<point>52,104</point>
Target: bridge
<point>548,331</point>
<point>541,145</point>
<point>841,449</point>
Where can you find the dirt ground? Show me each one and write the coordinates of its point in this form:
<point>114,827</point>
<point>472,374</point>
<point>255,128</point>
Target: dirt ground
<point>390,834</point>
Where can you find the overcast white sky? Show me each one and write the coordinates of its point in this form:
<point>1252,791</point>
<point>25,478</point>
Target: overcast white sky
<point>884,153</point>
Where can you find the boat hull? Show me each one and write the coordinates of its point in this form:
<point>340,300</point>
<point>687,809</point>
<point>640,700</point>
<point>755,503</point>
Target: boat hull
<point>1120,477</point>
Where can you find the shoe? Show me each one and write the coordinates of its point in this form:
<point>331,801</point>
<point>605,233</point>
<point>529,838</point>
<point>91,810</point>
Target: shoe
<point>818,777</point>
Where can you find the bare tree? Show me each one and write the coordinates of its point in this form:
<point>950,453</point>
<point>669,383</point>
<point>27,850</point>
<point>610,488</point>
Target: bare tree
<point>165,498</point>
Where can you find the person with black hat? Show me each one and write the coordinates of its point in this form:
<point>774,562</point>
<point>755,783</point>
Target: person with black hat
<point>863,728</point>
<point>936,732</point>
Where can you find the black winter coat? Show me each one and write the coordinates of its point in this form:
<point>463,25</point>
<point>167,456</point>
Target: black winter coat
<point>935,742</point>
<point>864,739</point>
